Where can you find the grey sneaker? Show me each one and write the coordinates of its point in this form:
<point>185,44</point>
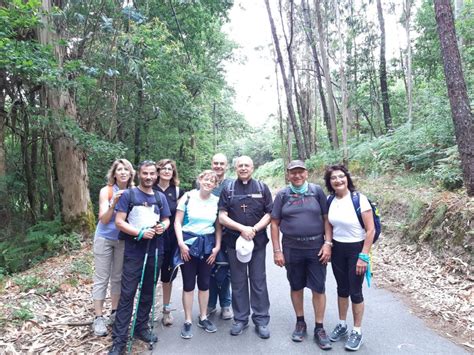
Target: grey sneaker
<point>354,341</point>
<point>167,319</point>
<point>186,331</point>
<point>227,313</point>
<point>338,332</point>
<point>238,328</point>
<point>299,333</point>
<point>207,325</point>
<point>263,331</point>
<point>322,339</point>
<point>98,326</point>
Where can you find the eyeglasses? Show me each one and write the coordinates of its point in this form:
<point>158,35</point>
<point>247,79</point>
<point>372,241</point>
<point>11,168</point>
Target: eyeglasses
<point>335,177</point>
<point>166,169</point>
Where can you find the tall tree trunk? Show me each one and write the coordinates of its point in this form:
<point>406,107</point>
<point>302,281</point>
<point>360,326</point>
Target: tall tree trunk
<point>312,43</point>
<point>49,214</point>
<point>457,91</point>
<point>70,159</point>
<point>407,11</point>
<point>138,128</point>
<point>287,86</point>
<point>4,210</point>
<point>327,75</point>
<point>387,117</point>
<point>345,95</point>
<point>284,137</point>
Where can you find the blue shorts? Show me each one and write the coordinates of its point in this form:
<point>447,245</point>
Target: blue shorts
<point>303,269</point>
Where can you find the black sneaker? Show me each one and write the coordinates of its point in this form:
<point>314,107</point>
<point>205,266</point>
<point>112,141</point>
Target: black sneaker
<point>354,341</point>
<point>238,328</point>
<point>299,333</point>
<point>145,335</point>
<point>338,332</point>
<point>207,325</point>
<point>322,339</point>
<point>117,349</point>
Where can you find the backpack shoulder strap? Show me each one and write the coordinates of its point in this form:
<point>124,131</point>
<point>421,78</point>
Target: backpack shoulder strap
<point>188,196</point>
<point>260,187</point>
<point>230,189</point>
<point>285,196</point>
<point>355,196</point>
<point>158,199</point>
<point>177,192</point>
<point>330,199</point>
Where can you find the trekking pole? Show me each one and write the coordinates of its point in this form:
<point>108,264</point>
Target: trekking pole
<point>129,350</point>
<point>155,279</point>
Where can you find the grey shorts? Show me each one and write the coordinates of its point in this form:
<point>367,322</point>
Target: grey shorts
<point>108,260</point>
<point>303,269</point>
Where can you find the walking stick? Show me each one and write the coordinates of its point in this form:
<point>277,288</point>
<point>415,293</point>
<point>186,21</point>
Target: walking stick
<point>129,350</point>
<point>155,279</point>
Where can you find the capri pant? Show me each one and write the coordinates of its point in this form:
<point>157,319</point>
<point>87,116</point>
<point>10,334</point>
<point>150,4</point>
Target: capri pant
<point>344,259</point>
<point>108,259</point>
<point>196,268</point>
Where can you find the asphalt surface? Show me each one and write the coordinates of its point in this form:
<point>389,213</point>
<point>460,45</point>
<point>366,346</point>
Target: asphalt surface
<point>389,327</point>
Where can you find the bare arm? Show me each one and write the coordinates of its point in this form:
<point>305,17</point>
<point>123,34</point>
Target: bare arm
<point>178,229</point>
<point>246,231</point>
<point>368,219</point>
<point>106,210</point>
<point>212,258</point>
<point>326,250</point>
<point>278,257</point>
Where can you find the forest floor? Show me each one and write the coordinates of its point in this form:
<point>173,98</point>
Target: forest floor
<point>49,309</point>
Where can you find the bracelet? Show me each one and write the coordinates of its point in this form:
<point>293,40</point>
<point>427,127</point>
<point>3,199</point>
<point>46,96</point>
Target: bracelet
<point>364,257</point>
<point>328,243</point>
<point>277,251</point>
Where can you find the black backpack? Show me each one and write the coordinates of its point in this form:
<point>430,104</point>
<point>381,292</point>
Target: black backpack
<point>312,192</point>
<point>230,188</point>
<point>133,202</point>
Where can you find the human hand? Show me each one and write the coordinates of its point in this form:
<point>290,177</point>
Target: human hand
<point>159,228</point>
<point>247,232</point>
<point>361,267</point>
<point>117,197</point>
<point>279,259</point>
<point>184,252</point>
<point>325,254</point>
<point>149,233</point>
<point>212,258</point>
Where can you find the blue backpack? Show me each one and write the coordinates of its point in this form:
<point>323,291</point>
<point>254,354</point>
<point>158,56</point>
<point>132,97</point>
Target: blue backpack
<point>375,212</point>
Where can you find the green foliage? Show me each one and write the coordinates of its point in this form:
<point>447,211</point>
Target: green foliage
<point>82,267</point>
<point>23,313</point>
<point>27,282</point>
<point>41,241</point>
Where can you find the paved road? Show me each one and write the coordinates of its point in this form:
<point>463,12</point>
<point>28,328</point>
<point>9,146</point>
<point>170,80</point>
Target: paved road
<point>389,327</point>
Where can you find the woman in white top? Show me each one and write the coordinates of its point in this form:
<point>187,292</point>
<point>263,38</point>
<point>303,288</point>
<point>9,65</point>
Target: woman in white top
<point>350,252</point>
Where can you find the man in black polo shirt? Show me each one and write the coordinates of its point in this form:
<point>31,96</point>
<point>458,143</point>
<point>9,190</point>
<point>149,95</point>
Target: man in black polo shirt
<point>244,209</point>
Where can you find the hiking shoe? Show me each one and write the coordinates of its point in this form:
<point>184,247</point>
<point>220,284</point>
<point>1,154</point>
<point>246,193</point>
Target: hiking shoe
<point>98,326</point>
<point>238,328</point>
<point>262,331</point>
<point>117,349</point>
<point>354,341</point>
<point>211,311</point>
<point>111,319</point>
<point>207,325</point>
<point>186,331</point>
<point>322,339</point>
<point>227,313</point>
<point>299,333</point>
<point>145,335</point>
<point>167,319</point>
<point>338,332</point>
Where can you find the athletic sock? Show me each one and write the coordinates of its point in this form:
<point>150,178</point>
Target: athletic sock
<point>300,319</point>
<point>319,325</point>
<point>357,330</point>
<point>343,322</point>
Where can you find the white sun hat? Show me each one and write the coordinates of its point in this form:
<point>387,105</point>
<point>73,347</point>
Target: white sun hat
<point>244,249</point>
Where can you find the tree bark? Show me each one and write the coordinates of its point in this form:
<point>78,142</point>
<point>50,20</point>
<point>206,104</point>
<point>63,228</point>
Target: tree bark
<point>327,76</point>
<point>407,10</point>
<point>70,159</point>
<point>287,86</point>
<point>312,43</point>
<point>457,91</point>
<point>383,71</point>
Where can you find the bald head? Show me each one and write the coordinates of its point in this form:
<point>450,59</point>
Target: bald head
<point>244,167</point>
<point>219,165</point>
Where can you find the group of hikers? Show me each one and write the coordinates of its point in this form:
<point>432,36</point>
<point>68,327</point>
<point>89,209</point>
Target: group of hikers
<point>217,235</point>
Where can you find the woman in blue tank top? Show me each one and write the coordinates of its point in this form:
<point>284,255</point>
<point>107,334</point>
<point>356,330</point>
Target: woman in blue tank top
<point>108,249</point>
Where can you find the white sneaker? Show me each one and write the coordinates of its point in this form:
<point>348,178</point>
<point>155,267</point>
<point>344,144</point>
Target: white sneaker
<point>227,313</point>
<point>98,326</point>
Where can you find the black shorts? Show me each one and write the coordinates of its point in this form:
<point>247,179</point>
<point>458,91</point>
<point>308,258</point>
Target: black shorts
<point>303,269</point>
<point>166,266</point>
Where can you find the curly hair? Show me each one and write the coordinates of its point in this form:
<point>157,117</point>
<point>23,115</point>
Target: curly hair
<point>340,167</point>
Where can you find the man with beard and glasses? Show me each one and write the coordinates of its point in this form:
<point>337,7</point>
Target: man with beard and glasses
<point>142,216</point>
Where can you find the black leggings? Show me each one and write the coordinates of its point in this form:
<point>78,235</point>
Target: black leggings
<point>196,268</point>
<point>344,259</point>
